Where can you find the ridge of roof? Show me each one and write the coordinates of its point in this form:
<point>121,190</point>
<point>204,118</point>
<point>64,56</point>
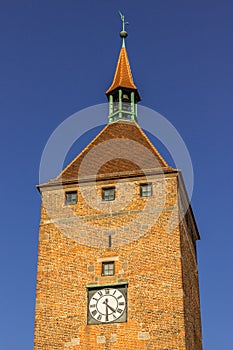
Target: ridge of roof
<point>152,146</point>
<point>82,152</point>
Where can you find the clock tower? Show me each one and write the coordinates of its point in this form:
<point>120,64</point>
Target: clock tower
<point>117,264</point>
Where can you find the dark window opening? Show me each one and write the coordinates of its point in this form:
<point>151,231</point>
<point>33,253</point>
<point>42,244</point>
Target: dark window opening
<point>146,190</point>
<point>108,194</point>
<point>71,197</point>
<point>108,268</point>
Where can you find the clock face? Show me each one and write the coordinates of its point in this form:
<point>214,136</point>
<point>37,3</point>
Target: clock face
<point>107,305</point>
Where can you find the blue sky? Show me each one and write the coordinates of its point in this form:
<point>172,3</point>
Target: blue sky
<point>58,57</point>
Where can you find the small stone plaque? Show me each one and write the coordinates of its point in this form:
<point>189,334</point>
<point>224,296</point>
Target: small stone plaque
<point>143,335</point>
<point>101,339</point>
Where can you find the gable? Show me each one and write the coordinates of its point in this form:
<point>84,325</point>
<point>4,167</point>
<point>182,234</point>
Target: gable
<point>121,147</point>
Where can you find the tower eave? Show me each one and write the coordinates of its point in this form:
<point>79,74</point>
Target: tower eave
<point>111,91</point>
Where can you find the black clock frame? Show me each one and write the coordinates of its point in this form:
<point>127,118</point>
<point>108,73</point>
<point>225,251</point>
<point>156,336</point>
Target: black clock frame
<point>123,288</point>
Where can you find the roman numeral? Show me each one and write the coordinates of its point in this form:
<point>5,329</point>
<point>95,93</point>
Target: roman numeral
<point>99,317</point>
<point>119,297</point>
<point>119,310</point>
<point>122,303</point>
<point>93,305</point>
<point>100,293</point>
<point>106,291</point>
<point>94,313</point>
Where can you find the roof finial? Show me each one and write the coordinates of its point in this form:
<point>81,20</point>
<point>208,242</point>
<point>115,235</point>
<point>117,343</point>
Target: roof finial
<point>123,33</point>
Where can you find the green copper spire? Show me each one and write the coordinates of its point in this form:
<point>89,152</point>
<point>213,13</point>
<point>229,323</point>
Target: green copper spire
<point>123,33</point>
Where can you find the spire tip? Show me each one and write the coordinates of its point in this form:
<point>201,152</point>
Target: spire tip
<point>123,33</point>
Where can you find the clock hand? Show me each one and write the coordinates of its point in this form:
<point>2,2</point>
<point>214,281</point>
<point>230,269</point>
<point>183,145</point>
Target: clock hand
<point>106,309</point>
<point>111,308</point>
<point>108,306</point>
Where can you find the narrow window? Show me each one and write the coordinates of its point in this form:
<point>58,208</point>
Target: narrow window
<point>108,268</point>
<point>71,197</point>
<point>108,194</point>
<point>146,190</point>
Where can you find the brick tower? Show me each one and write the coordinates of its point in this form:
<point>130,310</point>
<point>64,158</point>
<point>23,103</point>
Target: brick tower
<point>117,265</point>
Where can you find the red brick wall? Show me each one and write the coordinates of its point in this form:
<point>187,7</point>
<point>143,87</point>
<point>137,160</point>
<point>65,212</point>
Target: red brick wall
<point>157,267</point>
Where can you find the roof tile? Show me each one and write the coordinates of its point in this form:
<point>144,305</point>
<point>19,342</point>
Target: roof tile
<point>120,147</point>
<point>123,76</point>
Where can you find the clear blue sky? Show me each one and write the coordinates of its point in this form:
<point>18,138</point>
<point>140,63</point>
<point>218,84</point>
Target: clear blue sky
<point>58,57</point>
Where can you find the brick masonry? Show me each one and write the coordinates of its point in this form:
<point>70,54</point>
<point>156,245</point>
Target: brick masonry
<point>156,260</point>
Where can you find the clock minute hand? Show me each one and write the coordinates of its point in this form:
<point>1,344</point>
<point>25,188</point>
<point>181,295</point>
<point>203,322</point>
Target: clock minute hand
<point>106,310</point>
<point>106,303</point>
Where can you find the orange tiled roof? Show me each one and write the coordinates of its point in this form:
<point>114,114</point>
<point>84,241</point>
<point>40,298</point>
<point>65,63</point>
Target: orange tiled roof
<point>123,76</point>
<point>125,152</point>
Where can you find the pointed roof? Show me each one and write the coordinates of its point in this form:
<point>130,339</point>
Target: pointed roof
<point>123,76</point>
<point>120,149</point>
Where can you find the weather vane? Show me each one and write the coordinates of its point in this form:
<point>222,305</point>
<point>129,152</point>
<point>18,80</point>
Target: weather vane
<point>123,33</point>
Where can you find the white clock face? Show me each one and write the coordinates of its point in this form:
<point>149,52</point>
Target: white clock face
<point>107,305</point>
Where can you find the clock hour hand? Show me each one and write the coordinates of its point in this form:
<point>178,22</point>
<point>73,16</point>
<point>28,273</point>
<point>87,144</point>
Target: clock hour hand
<point>108,306</point>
